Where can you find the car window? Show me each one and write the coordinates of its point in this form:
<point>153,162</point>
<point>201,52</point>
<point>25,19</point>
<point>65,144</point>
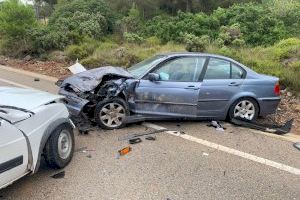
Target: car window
<point>217,69</point>
<point>141,68</point>
<point>236,72</point>
<point>187,69</point>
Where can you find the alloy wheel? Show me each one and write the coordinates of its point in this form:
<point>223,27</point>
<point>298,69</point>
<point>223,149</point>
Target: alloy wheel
<point>245,110</point>
<point>112,115</point>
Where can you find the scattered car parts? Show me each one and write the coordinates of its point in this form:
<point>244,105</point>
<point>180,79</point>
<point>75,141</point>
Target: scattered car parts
<point>270,128</point>
<point>217,126</point>
<point>59,175</point>
<point>151,138</point>
<point>297,145</point>
<point>135,140</point>
<point>124,151</point>
<point>136,135</point>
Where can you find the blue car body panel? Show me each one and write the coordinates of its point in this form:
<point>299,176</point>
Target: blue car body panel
<point>206,98</point>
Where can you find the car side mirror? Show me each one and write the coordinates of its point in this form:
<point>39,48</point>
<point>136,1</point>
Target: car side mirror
<point>153,77</point>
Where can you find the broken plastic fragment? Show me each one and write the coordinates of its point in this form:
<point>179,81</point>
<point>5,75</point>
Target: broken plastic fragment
<point>217,126</point>
<point>124,151</point>
<point>135,140</point>
<point>152,138</point>
<point>59,175</point>
<point>76,68</point>
<point>297,145</point>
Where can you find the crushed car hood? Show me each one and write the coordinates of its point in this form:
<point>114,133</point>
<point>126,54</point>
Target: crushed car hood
<point>25,98</point>
<point>89,80</point>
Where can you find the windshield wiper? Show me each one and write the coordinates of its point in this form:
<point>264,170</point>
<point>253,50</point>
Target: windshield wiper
<point>16,108</point>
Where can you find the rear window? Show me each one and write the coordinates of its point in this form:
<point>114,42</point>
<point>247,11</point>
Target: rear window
<point>222,69</point>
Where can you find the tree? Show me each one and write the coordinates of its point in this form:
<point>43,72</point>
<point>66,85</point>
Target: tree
<point>16,19</point>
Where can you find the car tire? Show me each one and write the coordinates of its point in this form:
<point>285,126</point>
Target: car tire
<point>111,114</point>
<point>244,108</point>
<point>59,148</point>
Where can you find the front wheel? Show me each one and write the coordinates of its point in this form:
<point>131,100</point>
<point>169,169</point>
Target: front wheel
<point>111,114</point>
<point>59,148</point>
<point>244,108</point>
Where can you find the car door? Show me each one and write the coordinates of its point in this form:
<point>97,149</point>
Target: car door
<point>13,153</point>
<point>222,81</point>
<point>177,90</point>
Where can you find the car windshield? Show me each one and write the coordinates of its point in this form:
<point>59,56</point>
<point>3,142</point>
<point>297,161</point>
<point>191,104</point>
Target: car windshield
<point>141,68</point>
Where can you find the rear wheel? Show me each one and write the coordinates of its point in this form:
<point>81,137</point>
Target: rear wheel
<point>59,148</point>
<point>111,114</point>
<point>244,108</point>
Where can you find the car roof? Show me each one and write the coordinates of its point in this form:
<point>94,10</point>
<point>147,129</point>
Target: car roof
<point>171,54</point>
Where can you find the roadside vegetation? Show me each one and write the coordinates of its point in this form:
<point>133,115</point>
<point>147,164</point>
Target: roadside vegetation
<point>262,34</point>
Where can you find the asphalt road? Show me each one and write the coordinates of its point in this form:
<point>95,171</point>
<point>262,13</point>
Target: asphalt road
<point>202,164</point>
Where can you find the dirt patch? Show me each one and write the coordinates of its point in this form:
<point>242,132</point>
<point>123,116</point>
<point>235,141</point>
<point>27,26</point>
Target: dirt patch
<point>288,108</point>
<point>50,68</point>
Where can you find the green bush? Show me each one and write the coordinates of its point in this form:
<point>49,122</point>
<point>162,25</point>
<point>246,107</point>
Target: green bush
<point>171,28</point>
<point>194,43</point>
<point>79,19</point>
<point>91,7</point>
<point>16,19</point>
<point>132,23</point>
<point>43,39</point>
<point>231,35</point>
<point>133,38</point>
<point>82,50</point>
<point>257,23</point>
<point>91,25</point>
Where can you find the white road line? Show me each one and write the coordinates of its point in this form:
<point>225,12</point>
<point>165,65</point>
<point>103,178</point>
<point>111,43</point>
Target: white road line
<point>15,84</point>
<point>229,150</point>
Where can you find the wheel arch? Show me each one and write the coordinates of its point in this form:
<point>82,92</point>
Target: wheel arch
<point>46,136</point>
<point>250,96</point>
<point>123,96</point>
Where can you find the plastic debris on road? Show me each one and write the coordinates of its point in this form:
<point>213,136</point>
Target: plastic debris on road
<point>217,126</point>
<point>297,145</point>
<point>124,151</point>
<point>59,175</point>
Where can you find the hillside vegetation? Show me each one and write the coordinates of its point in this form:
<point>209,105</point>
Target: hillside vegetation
<point>262,34</point>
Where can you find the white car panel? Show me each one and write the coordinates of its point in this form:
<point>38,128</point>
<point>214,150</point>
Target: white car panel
<point>28,118</point>
<point>12,146</point>
<point>14,115</point>
<point>30,98</point>
<point>36,126</point>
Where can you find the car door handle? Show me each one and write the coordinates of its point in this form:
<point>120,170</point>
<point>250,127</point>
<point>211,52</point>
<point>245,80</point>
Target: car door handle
<point>191,87</point>
<point>234,84</point>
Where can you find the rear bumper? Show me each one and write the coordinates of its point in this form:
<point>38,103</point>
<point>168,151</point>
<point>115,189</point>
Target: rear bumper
<point>268,105</point>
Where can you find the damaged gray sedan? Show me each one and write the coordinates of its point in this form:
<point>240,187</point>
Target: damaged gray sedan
<point>170,86</point>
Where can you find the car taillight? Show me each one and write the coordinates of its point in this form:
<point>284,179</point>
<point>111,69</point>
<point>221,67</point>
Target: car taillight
<point>277,89</point>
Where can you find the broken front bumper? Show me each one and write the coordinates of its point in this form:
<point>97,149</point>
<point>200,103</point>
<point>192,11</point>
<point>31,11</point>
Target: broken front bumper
<point>74,103</point>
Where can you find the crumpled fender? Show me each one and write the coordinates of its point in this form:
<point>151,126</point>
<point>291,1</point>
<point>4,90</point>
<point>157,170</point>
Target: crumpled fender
<point>88,80</point>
